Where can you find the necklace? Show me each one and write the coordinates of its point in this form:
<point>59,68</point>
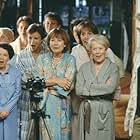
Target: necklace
<point>56,60</point>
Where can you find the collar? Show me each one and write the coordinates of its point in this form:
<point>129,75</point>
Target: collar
<point>5,71</point>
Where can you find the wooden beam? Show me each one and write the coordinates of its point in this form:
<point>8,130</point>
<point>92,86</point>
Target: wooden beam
<point>30,7</point>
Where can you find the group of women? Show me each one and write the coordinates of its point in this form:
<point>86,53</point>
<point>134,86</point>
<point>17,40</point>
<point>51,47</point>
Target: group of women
<point>87,69</point>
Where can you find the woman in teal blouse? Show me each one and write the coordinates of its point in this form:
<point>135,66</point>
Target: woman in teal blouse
<point>58,68</point>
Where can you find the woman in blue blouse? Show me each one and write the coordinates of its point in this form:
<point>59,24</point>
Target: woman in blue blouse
<point>10,88</point>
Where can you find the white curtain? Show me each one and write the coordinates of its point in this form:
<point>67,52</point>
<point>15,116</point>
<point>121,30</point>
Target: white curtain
<point>126,46</point>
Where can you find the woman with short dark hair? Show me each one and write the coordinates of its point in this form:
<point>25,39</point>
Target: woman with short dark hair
<point>10,90</point>
<point>52,20</point>
<point>26,61</point>
<point>58,68</point>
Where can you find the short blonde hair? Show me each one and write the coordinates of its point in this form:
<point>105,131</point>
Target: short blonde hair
<point>100,39</point>
<point>6,35</point>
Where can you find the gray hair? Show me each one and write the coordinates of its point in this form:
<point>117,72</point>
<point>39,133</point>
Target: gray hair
<point>100,39</point>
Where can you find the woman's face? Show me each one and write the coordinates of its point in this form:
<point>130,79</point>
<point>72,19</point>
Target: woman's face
<point>57,45</point>
<point>34,40</point>
<point>4,38</point>
<point>50,24</point>
<point>4,58</point>
<point>22,27</point>
<point>85,35</point>
<point>98,52</point>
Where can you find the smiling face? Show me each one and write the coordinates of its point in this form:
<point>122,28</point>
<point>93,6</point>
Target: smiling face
<point>98,52</point>
<point>34,40</point>
<point>57,45</point>
<point>50,24</point>
<point>4,58</point>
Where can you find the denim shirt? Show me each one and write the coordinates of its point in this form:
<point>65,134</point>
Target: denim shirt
<point>10,89</point>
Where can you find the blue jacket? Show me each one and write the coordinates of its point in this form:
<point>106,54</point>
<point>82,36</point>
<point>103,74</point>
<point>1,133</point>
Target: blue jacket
<point>10,90</point>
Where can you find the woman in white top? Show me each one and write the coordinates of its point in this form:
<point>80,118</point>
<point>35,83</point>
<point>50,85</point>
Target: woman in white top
<point>21,41</point>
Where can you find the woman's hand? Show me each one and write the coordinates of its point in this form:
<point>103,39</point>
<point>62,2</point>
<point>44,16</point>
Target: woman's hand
<point>51,81</point>
<point>64,83</point>
<point>4,115</point>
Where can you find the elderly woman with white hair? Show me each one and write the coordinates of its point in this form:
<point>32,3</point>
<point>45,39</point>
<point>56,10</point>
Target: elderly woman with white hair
<point>96,82</point>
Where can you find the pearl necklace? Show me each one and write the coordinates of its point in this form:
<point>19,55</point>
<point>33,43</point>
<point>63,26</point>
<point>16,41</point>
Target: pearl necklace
<point>56,60</point>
